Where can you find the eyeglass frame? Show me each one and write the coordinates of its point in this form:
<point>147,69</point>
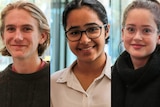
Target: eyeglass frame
<point>125,28</point>
<point>85,31</point>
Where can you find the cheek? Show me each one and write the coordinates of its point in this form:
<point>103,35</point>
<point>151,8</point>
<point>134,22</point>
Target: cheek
<point>126,40</point>
<point>5,39</point>
<point>153,42</point>
<point>102,39</point>
<point>102,42</point>
<point>34,37</point>
<point>72,45</point>
<point>8,37</point>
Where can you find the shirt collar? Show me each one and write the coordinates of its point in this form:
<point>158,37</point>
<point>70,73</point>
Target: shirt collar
<point>68,72</point>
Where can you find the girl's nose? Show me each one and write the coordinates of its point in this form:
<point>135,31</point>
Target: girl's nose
<point>138,35</point>
<point>84,38</point>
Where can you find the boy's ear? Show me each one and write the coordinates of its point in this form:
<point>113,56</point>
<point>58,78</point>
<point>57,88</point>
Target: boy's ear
<point>43,38</point>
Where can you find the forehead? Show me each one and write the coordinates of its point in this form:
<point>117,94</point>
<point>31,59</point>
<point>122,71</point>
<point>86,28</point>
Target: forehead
<point>140,17</point>
<point>19,17</point>
<point>82,16</point>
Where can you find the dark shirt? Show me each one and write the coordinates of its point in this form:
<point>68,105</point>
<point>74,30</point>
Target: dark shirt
<point>136,88</point>
<point>25,90</point>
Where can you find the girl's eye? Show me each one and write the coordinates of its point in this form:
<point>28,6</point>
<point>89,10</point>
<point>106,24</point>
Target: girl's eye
<point>130,29</point>
<point>147,31</point>
<point>74,33</point>
<point>92,29</point>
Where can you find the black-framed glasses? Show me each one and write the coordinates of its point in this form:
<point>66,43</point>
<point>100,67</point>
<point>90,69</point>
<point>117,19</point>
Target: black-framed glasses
<point>92,32</point>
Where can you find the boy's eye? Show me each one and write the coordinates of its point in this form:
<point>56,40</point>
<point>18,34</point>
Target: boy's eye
<point>10,29</point>
<point>27,29</point>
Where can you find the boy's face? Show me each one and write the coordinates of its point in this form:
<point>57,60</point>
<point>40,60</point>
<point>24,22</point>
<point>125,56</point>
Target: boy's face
<point>21,34</point>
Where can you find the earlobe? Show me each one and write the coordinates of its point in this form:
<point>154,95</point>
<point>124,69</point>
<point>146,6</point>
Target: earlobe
<point>43,38</point>
<point>42,41</point>
<point>122,37</point>
<point>2,39</point>
<point>158,40</point>
<point>107,31</point>
<point>106,34</point>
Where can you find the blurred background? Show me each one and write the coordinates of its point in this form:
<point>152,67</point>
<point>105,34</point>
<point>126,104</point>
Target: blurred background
<point>58,53</point>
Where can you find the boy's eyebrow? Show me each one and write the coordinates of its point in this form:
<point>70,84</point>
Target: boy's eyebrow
<point>12,25</point>
<point>9,25</point>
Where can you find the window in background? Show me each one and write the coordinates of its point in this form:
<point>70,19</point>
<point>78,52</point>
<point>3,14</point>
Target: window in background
<point>44,5</point>
<point>61,56</point>
<point>117,9</point>
<point>59,53</point>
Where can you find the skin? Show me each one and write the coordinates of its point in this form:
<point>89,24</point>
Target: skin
<point>90,52</point>
<point>138,46</point>
<point>21,38</point>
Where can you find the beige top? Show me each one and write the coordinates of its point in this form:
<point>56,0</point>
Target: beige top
<point>66,91</point>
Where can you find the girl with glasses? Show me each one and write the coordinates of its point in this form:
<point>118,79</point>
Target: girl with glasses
<point>86,83</point>
<point>136,73</point>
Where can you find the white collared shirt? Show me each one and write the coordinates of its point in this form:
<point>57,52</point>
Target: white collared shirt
<point>66,91</point>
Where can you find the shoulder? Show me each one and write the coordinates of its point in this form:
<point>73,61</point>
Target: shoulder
<point>58,74</point>
<point>63,74</point>
<point>5,73</point>
<point>7,69</point>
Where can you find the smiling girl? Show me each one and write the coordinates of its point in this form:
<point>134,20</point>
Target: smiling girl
<point>136,73</point>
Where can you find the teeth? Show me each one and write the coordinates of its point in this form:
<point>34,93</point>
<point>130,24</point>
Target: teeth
<point>87,48</point>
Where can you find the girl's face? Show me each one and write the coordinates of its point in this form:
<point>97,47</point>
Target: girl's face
<point>140,35</point>
<point>21,34</point>
<point>86,49</point>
